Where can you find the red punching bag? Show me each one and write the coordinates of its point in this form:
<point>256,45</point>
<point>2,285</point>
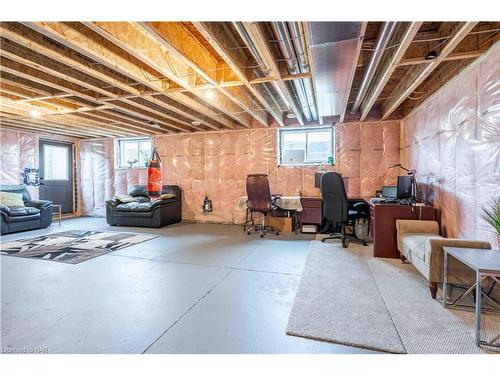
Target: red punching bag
<point>154,174</point>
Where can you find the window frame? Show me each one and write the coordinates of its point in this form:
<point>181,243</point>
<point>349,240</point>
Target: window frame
<point>307,130</point>
<point>118,151</point>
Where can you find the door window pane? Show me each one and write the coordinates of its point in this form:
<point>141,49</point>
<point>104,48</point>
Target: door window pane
<point>56,160</point>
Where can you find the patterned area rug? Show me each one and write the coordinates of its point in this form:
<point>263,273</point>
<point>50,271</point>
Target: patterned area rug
<point>72,246</point>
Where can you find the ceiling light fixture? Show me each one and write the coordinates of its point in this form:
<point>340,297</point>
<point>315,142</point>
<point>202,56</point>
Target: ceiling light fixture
<point>291,114</point>
<point>431,55</point>
<point>210,94</point>
<point>196,123</point>
<point>35,114</point>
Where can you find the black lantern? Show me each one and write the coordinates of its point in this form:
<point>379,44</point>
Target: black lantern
<point>207,205</point>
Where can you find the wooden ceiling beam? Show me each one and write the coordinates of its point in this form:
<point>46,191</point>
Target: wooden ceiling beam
<point>7,50</point>
<point>37,129</point>
<point>353,70</point>
<point>259,41</point>
<point>75,37</point>
<point>23,71</point>
<point>140,125</point>
<point>418,73</point>
<point>452,57</point>
<point>62,122</point>
<point>403,37</point>
<point>187,50</point>
<point>16,115</point>
<point>215,34</point>
<point>75,76</point>
<point>140,44</point>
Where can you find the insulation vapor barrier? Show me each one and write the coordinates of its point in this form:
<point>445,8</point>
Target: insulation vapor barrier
<point>453,141</point>
<point>215,164</point>
<point>19,151</point>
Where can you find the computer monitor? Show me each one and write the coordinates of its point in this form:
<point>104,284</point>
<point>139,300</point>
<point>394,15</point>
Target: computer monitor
<point>389,192</point>
<point>404,187</point>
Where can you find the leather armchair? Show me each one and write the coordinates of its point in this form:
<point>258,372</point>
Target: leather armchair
<point>36,214</point>
<point>144,212</point>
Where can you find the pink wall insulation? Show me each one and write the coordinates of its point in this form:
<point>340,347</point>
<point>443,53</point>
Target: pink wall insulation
<point>216,164</point>
<point>19,150</point>
<point>453,142</point>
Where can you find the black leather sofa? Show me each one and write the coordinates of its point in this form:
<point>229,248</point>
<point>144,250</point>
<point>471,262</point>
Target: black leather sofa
<point>144,212</point>
<point>36,214</point>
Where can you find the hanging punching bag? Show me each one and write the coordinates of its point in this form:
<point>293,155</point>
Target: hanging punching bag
<point>154,174</point>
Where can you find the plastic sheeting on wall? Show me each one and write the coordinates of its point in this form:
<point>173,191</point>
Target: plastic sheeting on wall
<point>19,150</point>
<point>453,141</point>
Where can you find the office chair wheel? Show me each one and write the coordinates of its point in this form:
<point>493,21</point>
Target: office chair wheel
<point>345,244</point>
<point>261,235</point>
<point>364,243</point>
<point>277,233</point>
<point>248,232</point>
<point>322,240</point>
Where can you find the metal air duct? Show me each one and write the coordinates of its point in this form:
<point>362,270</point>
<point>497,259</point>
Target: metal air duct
<point>333,48</point>
<point>286,47</point>
<point>263,72</point>
<point>380,46</point>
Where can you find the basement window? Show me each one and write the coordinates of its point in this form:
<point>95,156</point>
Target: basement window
<point>133,152</point>
<point>306,146</point>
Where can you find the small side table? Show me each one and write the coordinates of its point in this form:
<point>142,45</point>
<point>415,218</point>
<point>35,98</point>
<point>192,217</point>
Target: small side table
<point>485,263</point>
<point>58,212</point>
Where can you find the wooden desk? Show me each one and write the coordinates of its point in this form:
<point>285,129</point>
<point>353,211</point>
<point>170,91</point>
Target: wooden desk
<point>382,221</point>
<point>383,225</point>
<point>312,210</point>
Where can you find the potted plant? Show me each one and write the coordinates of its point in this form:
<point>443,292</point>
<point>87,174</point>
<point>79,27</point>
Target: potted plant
<point>491,214</point>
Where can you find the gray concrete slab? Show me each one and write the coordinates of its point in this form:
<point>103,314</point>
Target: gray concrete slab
<point>246,313</point>
<point>197,288</point>
<point>105,305</point>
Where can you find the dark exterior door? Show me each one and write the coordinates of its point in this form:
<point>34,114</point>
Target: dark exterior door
<point>56,161</point>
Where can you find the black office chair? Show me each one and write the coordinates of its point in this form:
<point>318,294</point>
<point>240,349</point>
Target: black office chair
<point>339,211</point>
<point>261,201</point>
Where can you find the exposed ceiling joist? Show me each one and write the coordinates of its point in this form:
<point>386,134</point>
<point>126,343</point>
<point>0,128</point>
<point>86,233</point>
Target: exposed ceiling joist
<point>74,36</point>
<point>61,84</point>
<point>68,57</point>
<point>418,73</point>
<point>188,50</point>
<point>215,34</point>
<point>403,36</point>
<point>451,57</point>
<point>260,43</point>
<point>142,45</point>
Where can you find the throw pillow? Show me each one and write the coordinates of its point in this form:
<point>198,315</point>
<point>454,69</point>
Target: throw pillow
<point>11,199</point>
<point>125,198</point>
<point>166,196</point>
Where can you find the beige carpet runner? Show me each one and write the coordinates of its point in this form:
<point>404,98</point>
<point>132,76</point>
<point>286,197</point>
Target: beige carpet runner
<point>348,297</point>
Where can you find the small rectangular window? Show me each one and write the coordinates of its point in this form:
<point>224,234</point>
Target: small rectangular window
<point>133,152</point>
<point>306,146</point>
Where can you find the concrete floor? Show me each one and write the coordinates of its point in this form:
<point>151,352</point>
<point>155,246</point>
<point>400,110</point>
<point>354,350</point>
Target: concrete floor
<point>197,288</point>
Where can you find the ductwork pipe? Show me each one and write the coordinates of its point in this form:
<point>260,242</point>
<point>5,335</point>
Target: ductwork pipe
<point>299,44</point>
<point>380,45</point>
<point>286,47</point>
<point>262,65</point>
